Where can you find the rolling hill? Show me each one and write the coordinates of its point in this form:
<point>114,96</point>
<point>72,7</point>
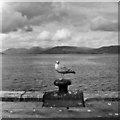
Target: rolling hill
<point>65,50</point>
<point>33,50</point>
<point>107,49</point>
<point>15,51</point>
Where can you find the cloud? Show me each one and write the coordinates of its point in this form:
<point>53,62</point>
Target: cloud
<point>2,36</point>
<point>65,13</point>
<point>96,39</point>
<point>50,24</point>
<point>61,37</point>
<point>12,19</point>
<point>54,38</point>
<point>18,39</point>
<point>28,28</point>
<point>17,15</point>
<point>24,14</point>
<point>102,24</point>
<point>62,34</point>
<point>21,39</point>
<point>32,9</point>
<point>44,35</point>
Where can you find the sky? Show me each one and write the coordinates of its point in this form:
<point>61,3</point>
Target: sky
<point>49,24</point>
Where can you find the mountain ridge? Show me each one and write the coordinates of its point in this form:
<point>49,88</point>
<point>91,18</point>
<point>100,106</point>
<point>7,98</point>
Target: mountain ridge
<point>65,50</point>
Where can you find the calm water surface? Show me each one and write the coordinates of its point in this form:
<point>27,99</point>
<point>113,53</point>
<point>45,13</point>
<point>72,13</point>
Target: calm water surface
<point>93,72</point>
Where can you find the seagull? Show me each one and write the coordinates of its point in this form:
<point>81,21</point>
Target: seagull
<point>62,69</point>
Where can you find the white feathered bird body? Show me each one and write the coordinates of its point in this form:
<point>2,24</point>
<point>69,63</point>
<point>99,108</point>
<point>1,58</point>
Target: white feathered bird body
<point>62,69</point>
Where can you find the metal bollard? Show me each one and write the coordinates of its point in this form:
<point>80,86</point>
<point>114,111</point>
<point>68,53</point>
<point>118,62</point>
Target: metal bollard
<point>63,97</point>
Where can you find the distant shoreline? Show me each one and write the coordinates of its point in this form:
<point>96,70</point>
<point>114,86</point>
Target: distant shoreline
<point>64,50</point>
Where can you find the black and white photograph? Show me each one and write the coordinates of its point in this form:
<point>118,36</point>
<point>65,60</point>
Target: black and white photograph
<point>59,59</point>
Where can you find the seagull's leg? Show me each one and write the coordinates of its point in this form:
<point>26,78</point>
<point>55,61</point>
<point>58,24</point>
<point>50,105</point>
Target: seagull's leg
<point>61,76</point>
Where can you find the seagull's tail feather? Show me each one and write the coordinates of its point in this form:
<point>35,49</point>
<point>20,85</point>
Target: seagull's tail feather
<point>71,71</point>
<point>74,72</point>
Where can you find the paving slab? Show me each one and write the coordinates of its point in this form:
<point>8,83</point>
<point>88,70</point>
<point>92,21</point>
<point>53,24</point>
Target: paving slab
<point>35,110</point>
<point>99,104</point>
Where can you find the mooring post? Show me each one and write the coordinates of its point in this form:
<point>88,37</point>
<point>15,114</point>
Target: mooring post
<point>62,85</point>
<point>63,97</point>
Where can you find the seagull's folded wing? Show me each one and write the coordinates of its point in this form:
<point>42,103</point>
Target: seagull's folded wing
<point>63,68</point>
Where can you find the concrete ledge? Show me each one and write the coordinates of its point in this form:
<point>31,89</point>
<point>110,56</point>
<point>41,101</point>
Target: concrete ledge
<point>95,109</point>
<point>21,96</point>
<point>36,96</point>
<point>100,95</point>
<point>99,104</point>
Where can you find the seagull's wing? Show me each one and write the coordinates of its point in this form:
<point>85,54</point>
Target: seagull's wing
<point>64,69</point>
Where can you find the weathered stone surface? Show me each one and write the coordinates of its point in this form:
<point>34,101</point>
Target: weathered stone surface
<point>107,95</point>
<point>100,95</point>
<point>57,99</point>
<point>21,96</point>
<point>63,97</point>
<point>95,109</point>
<point>99,104</point>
